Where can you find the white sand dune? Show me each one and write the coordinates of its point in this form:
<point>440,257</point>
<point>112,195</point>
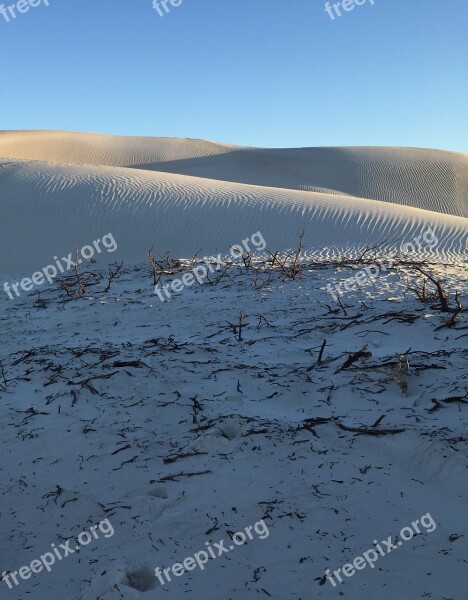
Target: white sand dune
<point>428,179</point>
<point>100,149</point>
<point>60,190</point>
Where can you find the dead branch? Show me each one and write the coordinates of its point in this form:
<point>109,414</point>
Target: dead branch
<point>289,264</point>
<point>369,430</point>
<point>443,298</point>
<point>363,353</point>
<point>112,275</point>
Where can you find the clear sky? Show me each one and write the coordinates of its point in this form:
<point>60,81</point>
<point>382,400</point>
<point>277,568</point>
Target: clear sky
<point>253,72</point>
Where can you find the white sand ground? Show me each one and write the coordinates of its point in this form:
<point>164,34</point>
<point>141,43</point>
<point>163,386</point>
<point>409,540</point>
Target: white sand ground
<point>252,410</point>
<point>157,417</point>
<point>62,190</point>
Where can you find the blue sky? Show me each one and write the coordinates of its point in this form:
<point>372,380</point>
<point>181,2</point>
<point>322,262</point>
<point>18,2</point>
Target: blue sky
<point>253,72</point>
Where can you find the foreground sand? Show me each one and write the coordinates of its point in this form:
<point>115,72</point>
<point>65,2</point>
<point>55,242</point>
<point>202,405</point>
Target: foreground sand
<point>156,416</point>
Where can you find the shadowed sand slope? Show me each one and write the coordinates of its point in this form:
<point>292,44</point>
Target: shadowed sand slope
<point>428,179</point>
<point>50,209</point>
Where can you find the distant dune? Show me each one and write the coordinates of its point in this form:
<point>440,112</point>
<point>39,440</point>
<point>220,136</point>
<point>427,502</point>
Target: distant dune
<point>61,190</point>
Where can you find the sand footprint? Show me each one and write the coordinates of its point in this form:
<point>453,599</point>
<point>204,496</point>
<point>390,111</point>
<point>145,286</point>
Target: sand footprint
<point>140,578</point>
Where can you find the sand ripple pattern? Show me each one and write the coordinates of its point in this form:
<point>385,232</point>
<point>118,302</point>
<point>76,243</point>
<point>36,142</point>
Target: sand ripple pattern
<point>427,179</point>
<point>48,209</point>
